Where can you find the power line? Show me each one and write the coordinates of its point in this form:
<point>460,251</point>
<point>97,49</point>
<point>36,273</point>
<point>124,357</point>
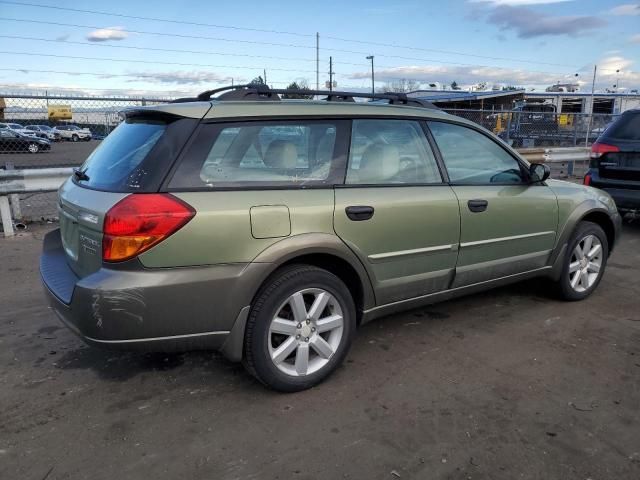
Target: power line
<point>153,62</point>
<point>156,19</point>
<point>200,37</point>
<point>273,44</point>
<point>447,52</point>
<point>154,49</point>
<point>299,34</point>
<point>163,34</point>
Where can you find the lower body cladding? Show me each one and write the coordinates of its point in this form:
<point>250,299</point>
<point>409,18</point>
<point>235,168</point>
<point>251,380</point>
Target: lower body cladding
<point>130,307</point>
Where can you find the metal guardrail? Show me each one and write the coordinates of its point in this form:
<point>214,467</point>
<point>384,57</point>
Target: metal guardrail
<point>564,162</point>
<point>15,182</point>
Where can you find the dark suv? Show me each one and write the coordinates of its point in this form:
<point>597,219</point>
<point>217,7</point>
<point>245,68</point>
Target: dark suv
<point>615,161</point>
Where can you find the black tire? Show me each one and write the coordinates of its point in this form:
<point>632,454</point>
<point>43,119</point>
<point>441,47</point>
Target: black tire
<point>563,286</point>
<point>276,290</point>
<point>33,148</point>
<point>74,138</point>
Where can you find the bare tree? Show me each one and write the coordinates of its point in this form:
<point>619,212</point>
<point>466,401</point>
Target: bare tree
<point>403,85</point>
<point>301,85</point>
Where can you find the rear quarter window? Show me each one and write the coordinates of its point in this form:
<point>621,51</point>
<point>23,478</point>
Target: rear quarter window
<point>264,154</point>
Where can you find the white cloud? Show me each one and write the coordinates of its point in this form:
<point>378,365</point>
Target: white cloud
<point>183,78</point>
<point>516,3</point>
<point>108,33</point>
<point>635,38</point>
<point>627,9</point>
<point>464,75</point>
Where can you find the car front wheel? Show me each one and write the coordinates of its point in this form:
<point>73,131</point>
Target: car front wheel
<point>33,148</point>
<point>300,328</point>
<point>74,138</point>
<point>585,262</point>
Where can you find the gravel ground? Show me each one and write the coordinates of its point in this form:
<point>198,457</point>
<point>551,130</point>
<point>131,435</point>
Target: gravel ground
<point>508,384</point>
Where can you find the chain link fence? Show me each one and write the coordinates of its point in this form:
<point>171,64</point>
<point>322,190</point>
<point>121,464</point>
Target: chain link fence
<point>39,131</point>
<point>530,129</point>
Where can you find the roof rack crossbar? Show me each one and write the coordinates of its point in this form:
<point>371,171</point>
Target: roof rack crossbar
<point>264,92</point>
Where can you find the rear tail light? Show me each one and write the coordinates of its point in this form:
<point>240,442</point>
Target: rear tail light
<point>599,149</point>
<point>587,179</point>
<point>140,221</point>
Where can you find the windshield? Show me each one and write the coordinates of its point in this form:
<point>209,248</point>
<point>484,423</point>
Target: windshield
<point>117,164</point>
<point>15,125</point>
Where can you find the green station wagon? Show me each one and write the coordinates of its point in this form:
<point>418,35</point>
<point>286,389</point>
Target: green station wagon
<point>271,229</point>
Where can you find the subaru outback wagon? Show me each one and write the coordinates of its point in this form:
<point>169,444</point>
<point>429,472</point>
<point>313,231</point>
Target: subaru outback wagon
<point>270,230</point>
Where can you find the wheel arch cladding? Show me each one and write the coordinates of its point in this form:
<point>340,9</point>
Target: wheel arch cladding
<point>323,251</point>
<point>341,269</point>
<point>603,220</point>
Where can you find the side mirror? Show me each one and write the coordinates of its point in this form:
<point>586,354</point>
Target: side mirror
<point>539,172</point>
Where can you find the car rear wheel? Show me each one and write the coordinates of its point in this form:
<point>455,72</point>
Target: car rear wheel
<point>300,328</point>
<point>585,262</point>
<point>33,148</point>
<point>74,138</point>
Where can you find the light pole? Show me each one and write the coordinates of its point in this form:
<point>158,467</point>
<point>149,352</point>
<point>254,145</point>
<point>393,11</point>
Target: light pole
<point>373,78</point>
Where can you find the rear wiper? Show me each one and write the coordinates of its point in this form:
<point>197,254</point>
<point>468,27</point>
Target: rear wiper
<point>80,174</point>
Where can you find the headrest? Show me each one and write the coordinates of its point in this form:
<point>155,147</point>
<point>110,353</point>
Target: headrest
<point>379,163</point>
<point>281,154</point>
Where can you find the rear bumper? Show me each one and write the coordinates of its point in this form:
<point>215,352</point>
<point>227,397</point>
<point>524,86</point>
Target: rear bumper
<point>625,199</point>
<point>626,194</point>
<point>133,308</point>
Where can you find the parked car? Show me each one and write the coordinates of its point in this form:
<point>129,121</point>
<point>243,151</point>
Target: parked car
<point>13,142</point>
<point>44,131</point>
<point>16,127</point>
<point>73,133</point>
<point>615,161</point>
<point>270,230</point>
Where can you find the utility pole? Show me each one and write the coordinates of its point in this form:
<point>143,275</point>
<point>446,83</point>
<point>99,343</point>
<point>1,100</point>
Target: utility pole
<point>373,78</point>
<point>265,75</point>
<point>317,61</point>
<point>331,74</point>
<point>593,89</point>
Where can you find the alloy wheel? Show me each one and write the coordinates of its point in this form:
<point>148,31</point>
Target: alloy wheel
<point>586,263</point>
<point>305,332</point>
<point>33,148</point>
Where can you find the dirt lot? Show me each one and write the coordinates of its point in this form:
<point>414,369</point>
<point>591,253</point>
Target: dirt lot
<point>508,384</point>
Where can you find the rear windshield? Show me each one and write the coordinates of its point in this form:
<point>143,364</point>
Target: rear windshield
<point>626,128</point>
<point>117,163</point>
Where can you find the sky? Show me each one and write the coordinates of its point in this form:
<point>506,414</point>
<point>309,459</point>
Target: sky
<point>184,47</point>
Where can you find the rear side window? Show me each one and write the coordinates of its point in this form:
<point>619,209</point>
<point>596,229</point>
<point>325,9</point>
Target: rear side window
<point>626,128</point>
<point>136,156</point>
<point>390,152</point>
<point>263,154</point>
<point>473,158</point>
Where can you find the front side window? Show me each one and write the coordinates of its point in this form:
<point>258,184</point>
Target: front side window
<point>473,158</point>
<point>390,152</point>
<point>287,153</point>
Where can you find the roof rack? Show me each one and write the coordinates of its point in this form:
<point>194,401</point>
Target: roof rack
<point>253,92</point>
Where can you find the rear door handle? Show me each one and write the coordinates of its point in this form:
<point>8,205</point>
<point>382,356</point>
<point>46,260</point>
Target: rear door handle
<point>477,205</point>
<point>358,213</point>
